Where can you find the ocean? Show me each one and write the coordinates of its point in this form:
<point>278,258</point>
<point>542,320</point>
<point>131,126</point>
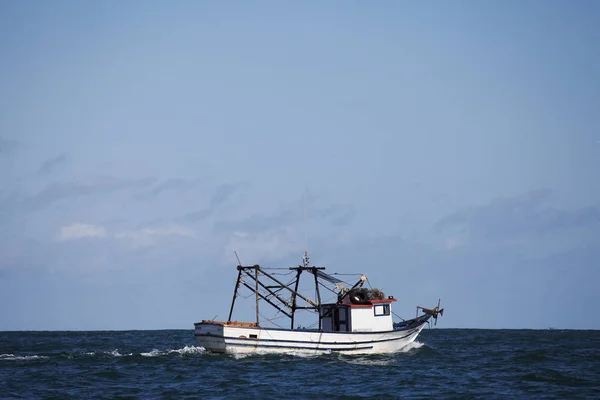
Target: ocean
<point>443,363</point>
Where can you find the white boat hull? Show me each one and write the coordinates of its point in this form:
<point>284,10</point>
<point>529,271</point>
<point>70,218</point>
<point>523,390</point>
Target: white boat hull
<point>224,338</point>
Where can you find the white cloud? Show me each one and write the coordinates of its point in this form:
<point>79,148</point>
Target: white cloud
<point>149,236</point>
<point>80,231</point>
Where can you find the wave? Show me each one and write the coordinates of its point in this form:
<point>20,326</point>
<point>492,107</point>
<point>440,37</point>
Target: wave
<point>186,350</point>
<point>154,352</point>
<point>12,357</point>
<point>182,351</point>
<point>411,346</point>
<point>115,353</point>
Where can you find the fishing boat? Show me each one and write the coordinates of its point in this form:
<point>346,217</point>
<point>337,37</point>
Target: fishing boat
<point>360,321</point>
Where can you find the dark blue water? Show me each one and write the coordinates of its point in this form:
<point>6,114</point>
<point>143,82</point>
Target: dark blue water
<point>444,363</point>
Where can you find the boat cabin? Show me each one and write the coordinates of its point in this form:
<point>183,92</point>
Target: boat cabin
<point>367,316</point>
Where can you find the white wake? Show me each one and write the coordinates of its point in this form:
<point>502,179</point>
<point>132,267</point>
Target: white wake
<point>12,357</point>
<point>182,351</point>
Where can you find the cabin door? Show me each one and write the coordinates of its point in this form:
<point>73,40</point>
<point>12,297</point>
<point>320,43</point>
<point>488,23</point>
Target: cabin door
<point>340,319</point>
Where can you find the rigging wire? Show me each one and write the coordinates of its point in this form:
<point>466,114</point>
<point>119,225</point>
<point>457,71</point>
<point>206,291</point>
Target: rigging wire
<point>398,316</point>
<point>280,273</point>
<point>313,325</point>
<point>245,297</point>
<point>327,287</point>
<point>270,320</point>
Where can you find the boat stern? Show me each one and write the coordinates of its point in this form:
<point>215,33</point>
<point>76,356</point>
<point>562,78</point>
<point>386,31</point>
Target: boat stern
<point>209,334</point>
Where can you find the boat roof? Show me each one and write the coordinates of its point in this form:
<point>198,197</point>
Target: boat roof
<point>367,304</point>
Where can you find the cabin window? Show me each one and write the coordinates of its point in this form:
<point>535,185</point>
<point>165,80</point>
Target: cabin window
<point>382,309</point>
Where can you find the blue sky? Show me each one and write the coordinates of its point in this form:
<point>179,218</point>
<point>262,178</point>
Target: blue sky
<point>448,150</point>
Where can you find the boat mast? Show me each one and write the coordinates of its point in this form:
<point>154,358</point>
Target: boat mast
<point>306,262</point>
<point>256,291</point>
<point>237,285</point>
<point>294,296</point>
<point>318,295</point>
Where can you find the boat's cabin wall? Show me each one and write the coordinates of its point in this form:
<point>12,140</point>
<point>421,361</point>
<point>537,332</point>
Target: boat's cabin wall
<point>373,317</point>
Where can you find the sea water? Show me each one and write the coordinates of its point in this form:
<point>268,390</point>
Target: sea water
<point>442,363</point>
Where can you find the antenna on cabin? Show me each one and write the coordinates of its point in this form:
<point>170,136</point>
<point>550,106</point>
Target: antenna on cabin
<point>305,259</point>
